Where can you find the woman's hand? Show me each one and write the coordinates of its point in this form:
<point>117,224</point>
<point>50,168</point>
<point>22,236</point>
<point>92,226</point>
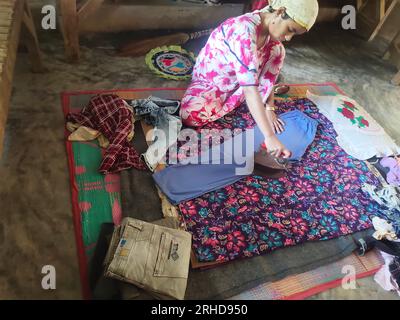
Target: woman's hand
<point>257,109</point>
<point>276,148</point>
<point>276,123</point>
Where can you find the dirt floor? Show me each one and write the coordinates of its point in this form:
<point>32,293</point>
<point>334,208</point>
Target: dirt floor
<point>36,226</point>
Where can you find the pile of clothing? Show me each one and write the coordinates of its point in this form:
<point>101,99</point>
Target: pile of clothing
<point>387,243</point>
<point>111,119</point>
<point>364,139</point>
<point>108,118</point>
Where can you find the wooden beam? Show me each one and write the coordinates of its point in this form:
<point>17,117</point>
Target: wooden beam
<point>361,4</point>
<point>117,18</point>
<point>8,56</point>
<point>30,39</point>
<point>383,20</point>
<point>381,9</point>
<point>70,29</point>
<point>89,7</point>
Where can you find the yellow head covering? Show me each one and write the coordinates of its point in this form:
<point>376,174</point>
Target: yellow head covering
<point>304,12</point>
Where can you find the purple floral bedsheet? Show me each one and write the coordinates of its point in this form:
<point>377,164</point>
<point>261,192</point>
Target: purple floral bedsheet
<point>320,198</point>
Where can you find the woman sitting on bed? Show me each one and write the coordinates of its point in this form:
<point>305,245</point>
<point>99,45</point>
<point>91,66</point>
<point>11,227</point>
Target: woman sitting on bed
<point>241,62</point>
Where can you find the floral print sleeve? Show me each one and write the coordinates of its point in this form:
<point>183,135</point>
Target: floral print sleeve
<point>229,62</point>
<point>240,38</point>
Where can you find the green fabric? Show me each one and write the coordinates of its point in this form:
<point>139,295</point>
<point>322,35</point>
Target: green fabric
<point>95,199</point>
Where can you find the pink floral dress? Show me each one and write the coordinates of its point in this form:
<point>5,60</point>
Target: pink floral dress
<point>229,61</point>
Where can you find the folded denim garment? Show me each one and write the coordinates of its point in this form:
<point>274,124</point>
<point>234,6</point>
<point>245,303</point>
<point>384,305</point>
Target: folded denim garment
<point>158,113</point>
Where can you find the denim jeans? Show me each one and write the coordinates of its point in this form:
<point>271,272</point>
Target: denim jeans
<point>158,113</point>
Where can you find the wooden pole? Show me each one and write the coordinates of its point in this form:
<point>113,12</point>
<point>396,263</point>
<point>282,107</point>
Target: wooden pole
<point>70,29</point>
<point>30,39</point>
<point>383,20</point>
<point>88,8</point>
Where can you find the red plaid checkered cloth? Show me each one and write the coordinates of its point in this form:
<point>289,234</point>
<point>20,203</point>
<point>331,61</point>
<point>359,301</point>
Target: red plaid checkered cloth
<point>110,115</point>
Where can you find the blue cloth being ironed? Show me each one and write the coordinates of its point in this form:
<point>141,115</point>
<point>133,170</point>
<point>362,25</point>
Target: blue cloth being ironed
<point>195,177</point>
<point>299,132</point>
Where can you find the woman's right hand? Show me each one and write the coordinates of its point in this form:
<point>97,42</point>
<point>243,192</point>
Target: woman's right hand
<point>276,148</point>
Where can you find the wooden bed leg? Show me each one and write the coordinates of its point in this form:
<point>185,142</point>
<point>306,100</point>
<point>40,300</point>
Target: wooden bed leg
<point>396,79</point>
<point>30,39</point>
<point>70,29</point>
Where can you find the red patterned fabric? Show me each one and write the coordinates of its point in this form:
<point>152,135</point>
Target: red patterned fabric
<point>110,115</point>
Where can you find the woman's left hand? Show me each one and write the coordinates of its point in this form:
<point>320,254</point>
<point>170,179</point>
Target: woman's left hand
<point>276,123</point>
